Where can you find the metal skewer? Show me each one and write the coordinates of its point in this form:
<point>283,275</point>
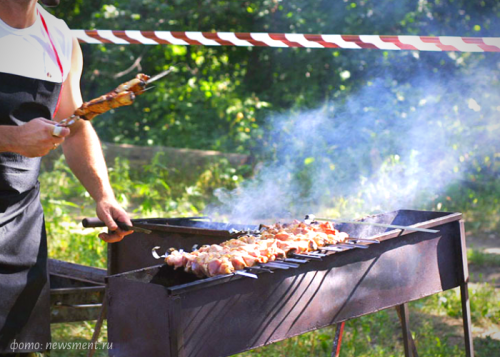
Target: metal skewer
<point>290,264</point>
<point>245,273</point>
<point>333,249</point>
<point>259,268</point>
<point>67,122</point>
<point>275,265</point>
<point>362,240</point>
<point>404,228</point>
<point>317,254</point>
<point>156,255</point>
<point>307,256</point>
<point>351,245</point>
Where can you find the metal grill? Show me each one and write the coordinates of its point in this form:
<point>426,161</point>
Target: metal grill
<point>159,311</point>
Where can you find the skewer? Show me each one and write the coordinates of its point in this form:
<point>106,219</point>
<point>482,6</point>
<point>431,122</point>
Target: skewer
<point>295,259</point>
<point>156,255</point>
<point>363,240</point>
<point>307,256</point>
<point>245,273</point>
<point>275,265</point>
<point>404,228</point>
<point>352,245</point>
<point>290,264</point>
<point>316,253</point>
<point>260,268</point>
<point>294,263</point>
<point>332,249</point>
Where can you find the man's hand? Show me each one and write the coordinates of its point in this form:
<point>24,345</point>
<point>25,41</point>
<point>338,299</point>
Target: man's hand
<point>34,139</point>
<point>110,211</point>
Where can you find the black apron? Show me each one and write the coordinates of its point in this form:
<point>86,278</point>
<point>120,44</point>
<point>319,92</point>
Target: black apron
<point>24,281</point>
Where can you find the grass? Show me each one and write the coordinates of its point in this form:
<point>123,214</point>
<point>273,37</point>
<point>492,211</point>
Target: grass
<point>77,332</point>
<point>435,320</point>
<point>476,256</point>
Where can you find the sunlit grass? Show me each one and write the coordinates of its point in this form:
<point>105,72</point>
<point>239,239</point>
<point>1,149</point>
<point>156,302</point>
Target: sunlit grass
<point>475,256</point>
<point>77,332</point>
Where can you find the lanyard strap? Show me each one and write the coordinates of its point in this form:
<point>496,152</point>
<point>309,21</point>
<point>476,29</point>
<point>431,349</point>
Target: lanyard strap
<point>57,59</point>
<point>52,44</point>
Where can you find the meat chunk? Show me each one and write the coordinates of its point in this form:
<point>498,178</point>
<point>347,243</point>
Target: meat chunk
<point>275,242</point>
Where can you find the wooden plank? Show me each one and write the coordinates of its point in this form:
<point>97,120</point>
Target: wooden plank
<point>77,271</point>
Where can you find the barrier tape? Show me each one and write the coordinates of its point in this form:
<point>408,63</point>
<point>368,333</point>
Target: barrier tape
<point>415,43</point>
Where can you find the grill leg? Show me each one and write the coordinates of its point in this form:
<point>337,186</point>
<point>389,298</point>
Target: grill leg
<point>98,325</point>
<point>464,295</point>
<point>409,343</point>
<point>337,341</point>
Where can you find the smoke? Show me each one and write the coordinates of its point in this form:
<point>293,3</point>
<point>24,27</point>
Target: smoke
<point>395,142</point>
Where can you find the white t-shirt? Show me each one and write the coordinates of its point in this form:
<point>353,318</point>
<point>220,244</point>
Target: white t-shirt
<point>27,52</point>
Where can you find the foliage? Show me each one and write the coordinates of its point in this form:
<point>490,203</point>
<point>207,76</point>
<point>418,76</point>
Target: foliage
<point>227,98</point>
<point>150,192</point>
<point>484,304</point>
<point>217,96</point>
<point>478,257</point>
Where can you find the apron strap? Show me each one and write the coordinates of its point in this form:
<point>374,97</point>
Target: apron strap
<point>58,61</point>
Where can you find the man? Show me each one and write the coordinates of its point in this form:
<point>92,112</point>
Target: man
<point>40,67</point>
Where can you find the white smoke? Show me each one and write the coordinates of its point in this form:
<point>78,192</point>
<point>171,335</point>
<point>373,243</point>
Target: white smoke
<point>387,146</point>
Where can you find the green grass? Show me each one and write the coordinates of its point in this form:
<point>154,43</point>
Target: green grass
<point>77,332</point>
<point>475,256</point>
<point>484,300</point>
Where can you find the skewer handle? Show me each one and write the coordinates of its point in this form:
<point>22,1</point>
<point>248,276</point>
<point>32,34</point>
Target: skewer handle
<point>96,223</point>
<point>92,222</point>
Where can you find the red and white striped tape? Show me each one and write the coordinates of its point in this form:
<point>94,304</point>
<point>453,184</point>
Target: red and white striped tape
<point>417,43</point>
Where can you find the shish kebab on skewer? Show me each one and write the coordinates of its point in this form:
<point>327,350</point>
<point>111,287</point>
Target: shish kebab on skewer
<point>122,95</point>
<point>274,242</point>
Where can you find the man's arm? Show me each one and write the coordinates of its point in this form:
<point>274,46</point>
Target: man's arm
<point>84,154</point>
<point>33,139</point>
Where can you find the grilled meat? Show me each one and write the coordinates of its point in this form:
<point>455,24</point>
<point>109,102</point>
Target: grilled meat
<point>275,242</point>
<point>123,95</point>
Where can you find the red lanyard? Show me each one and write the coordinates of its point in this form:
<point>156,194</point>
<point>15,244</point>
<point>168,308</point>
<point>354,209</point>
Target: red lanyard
<point>57,58</point>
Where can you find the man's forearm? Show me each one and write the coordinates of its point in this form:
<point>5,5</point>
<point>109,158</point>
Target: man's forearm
<point>84,156</point>
<point>7,136</point>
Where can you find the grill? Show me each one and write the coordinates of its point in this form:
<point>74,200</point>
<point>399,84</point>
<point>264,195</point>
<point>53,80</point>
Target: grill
<point>154,310</point>
<point>134,252</point>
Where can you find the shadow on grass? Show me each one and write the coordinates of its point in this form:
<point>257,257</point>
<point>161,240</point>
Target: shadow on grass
<point>486,347</point>
<point>76,332</point>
